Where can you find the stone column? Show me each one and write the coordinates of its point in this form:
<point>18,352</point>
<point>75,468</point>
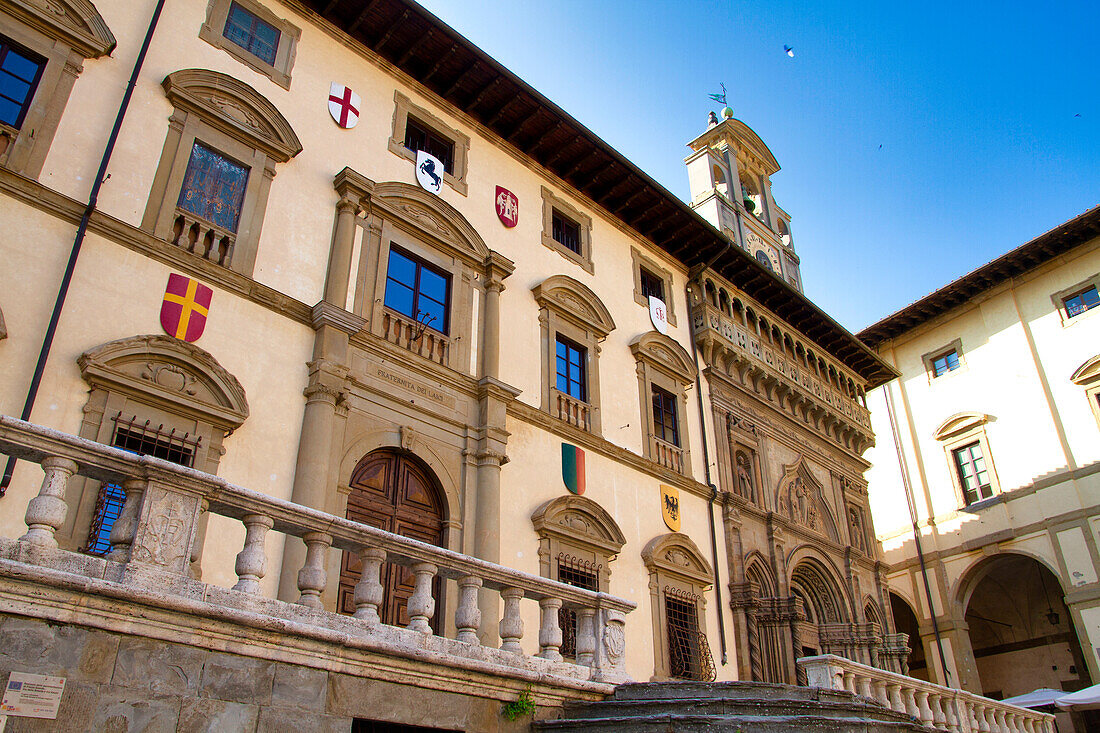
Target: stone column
<point>314,480</point>
<point>355,192</point>
<point>493,399</point>
<point>497,267</point>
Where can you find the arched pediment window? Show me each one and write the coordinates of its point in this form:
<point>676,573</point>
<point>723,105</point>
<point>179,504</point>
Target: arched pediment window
<point>576,530</point>
<point>665,372</point>
<point>222,131</point>
<point>679,576</point>
<point>46,45</point>
<point>574,321</point>
<point>153,395</point>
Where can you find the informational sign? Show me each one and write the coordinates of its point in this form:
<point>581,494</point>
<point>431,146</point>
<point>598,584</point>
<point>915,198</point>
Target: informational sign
<point>670,507</point>
<point>507,206</point>
<point>344,105</point>
<point>429,171</point>
<point>658,314</point>
<point>32,696</point>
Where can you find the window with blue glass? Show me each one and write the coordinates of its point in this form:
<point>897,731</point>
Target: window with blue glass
<point>254,35</point>
<point>213,187</point>
<point>19,74</point>
<point>571,369</point>
<point>417,290</point>
<point>664,416</point>
<point>1082,301</point>
<point>945,362</point>
<point>142,439</point>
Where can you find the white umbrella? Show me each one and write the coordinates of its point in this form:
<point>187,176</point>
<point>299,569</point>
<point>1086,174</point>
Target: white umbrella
<point>1036,698</point>
<point>1086,699</point>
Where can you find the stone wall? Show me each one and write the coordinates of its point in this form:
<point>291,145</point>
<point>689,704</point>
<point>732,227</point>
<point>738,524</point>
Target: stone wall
<point>118,683</point>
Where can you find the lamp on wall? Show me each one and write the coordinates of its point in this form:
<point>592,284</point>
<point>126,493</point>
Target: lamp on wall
<point>422,321</point>
<point>1051,615</point>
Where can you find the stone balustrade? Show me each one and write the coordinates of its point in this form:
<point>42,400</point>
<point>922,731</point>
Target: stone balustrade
<point>571,410</point>
<point>415,337</point>
<point>204,238</point>
<point>668,455</point>
<point>942,708</point>
<point>152,542</point>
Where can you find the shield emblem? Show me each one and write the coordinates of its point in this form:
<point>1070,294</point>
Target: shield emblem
<point>658,315</point>
<point>184,308</point>
<point>507,206</point>
<point>670,507</point>
<point>429,171</point>
<point>344,105</point>
<point>572,468</point>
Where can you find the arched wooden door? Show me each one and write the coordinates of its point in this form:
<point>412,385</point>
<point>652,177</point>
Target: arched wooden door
<point>391,491</point>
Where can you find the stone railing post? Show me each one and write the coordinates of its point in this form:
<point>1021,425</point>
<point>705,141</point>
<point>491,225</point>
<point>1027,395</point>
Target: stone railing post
<point>468,615</point>
<point>46,512</point>
<point>549,630</point>
<point>421,604</point>
<point>511,625</point>
<point>586,637</point>
<point>125,527</point>
<point>368,591</point>
<point>313,577</point>
<point>251,562</point>
<point>610,643</point>
<point>165,531</point>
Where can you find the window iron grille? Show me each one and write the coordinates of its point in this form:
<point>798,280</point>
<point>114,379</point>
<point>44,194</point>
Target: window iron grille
<point>582,574</point>
<point>145,440</point>
<point>688,650</point>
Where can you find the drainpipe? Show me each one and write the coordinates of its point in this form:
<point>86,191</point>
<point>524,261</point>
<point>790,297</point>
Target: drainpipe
<point>706,452</point>
<point>916,534</point>
<point>93,197</point>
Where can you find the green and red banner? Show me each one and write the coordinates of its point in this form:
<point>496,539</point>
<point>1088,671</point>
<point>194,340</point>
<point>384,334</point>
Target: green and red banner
<point>184,308</point>
<point>572,468</point>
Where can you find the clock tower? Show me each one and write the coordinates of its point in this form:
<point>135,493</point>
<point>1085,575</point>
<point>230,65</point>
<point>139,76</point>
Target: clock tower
<point>729,170</point>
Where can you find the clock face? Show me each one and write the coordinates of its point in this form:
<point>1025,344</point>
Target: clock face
<point>762,258</point>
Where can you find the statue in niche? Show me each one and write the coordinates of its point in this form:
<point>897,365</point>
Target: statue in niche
<point>855,522</point>
<point>801,506</point>
<point>744,477</point>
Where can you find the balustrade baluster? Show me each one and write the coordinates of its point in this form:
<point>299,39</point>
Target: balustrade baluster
<point>881,694</point>
<point>986,723</point>
<point>950,713</point>
<point>549,630</point>
<point>896,702</point>
<point>468,615</point>
<point>125,527</point>
<point>911,708</point>
<point>46,512</point>
<point>252,559</point>
<point>313,577</point>
<point>850,682</point>
<point>511,625</point>
<point>935,702</point>
<point>863,682</point>
<point>924,713</point>
<point>998,722</point>
<point>368,591</point>
<point>421,604</point>
<point>586,637</point>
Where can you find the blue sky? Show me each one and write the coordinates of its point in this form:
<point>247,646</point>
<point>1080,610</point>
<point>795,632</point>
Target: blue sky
<point>974,106</point>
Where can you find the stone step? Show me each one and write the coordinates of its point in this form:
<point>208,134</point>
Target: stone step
<point>716,706</point>
<point>731,723</point>
<point>726,691</point>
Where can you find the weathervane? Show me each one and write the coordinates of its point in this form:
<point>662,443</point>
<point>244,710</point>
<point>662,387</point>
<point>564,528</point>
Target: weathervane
<point>720,97</point>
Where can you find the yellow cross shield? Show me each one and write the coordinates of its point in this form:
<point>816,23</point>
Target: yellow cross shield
<point>670,507</point>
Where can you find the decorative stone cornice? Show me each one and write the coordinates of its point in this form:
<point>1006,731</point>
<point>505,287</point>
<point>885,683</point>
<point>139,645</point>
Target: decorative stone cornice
<point>327,314</point>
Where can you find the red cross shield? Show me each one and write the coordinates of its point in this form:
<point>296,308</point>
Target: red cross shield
<point>185,307</point>
<point>344,105</point>
<point>507,206</point>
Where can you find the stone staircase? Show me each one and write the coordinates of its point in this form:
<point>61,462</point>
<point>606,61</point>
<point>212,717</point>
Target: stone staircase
<point>739,707</point>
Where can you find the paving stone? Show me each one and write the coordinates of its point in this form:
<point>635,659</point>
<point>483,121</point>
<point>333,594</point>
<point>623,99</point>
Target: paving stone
<point>214,716</point>
<point>299,687</point>
<point>237,679</point>
<point>284,720</point>
<point>158,667</point>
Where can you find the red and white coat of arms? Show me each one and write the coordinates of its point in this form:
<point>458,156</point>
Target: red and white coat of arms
<point>344,105</point>
<point>507,206</point>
